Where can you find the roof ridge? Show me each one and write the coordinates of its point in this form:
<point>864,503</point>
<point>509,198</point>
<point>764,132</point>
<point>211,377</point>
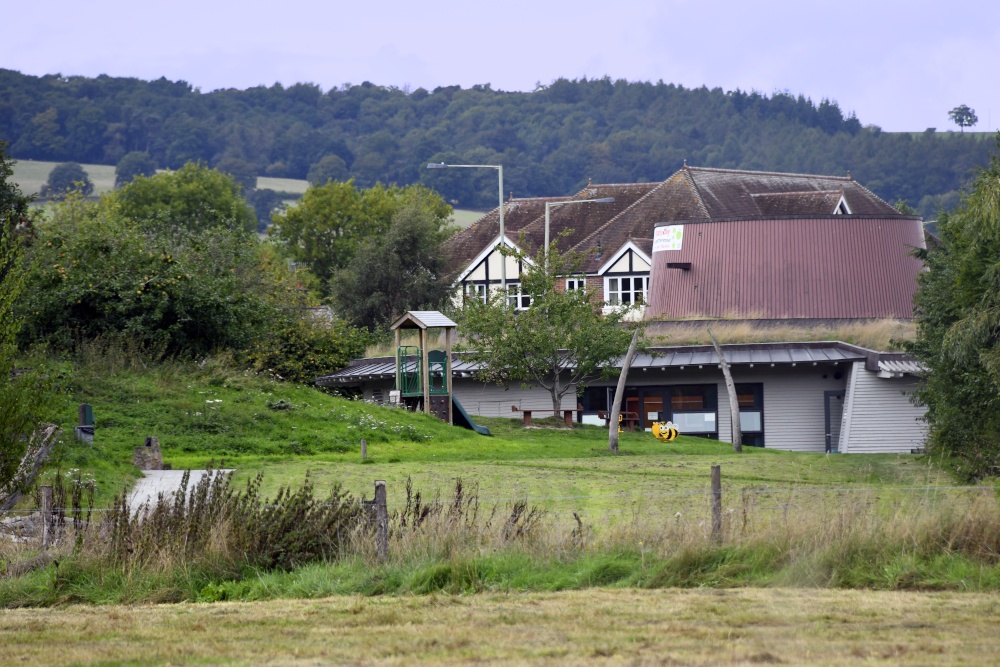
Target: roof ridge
<point>767,173</point>
<point>697,192</point>
<point>797,193</point>
<point>620,213</point>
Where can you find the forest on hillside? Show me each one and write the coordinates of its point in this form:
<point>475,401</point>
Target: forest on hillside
<point>550,141</point>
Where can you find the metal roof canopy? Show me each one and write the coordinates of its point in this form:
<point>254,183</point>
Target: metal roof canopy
<point>423,319</point>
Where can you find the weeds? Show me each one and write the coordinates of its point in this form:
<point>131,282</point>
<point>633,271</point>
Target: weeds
<point>211,542</point>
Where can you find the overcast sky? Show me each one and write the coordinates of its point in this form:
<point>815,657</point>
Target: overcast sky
<point>899,64</point>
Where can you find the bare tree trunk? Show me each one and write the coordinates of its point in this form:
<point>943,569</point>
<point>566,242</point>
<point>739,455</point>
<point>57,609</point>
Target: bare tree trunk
<point>39,448</point>
<point>734,401</point>
<point>619,392</point>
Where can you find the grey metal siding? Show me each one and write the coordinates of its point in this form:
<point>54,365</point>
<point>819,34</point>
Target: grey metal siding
<point>794,412</point>
<point>882,419</point>
<point>490,400</point>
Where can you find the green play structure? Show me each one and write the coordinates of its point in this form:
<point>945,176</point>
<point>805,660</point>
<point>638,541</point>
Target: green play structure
<point>423,377</point>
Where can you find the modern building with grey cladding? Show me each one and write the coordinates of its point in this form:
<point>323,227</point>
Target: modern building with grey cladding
<point>809,397</point>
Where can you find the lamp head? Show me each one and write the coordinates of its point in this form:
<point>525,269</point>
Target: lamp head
<point>436,165</point>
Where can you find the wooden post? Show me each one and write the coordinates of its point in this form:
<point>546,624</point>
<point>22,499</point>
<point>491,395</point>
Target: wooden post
<point>425,370</point>
<point>447,373</point>
<point>716,504</point>
<point>381,522</point>
<point>364,448</point>
<point>46,516</point>
<point>398,370</point>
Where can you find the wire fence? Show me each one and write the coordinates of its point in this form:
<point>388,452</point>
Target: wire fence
<point>783,496</point>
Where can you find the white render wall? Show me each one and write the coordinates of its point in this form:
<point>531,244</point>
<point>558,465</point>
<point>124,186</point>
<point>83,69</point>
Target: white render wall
<point>879,417</point>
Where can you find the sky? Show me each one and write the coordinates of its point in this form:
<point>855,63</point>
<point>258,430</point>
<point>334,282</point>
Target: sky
<point>898,64</point>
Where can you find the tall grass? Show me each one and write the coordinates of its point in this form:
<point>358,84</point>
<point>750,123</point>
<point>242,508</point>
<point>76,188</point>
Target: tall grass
<point>882,334</point>
<point>215,543</point>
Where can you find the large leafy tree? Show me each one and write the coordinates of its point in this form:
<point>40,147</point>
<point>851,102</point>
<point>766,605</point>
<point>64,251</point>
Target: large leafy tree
<point>559,342</point>
<point>399,270</point>
<point>963,116</point>
<point>21,393</point>
<point>325,229</point>
<point>136,163</point>
<point>193,198</point>
<point>65,178</point>
<point>958,335</point>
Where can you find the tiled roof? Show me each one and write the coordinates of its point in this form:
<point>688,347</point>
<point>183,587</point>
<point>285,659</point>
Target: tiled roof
<point>734,193</point>
<point>464,246</point>
<point>691,193</point>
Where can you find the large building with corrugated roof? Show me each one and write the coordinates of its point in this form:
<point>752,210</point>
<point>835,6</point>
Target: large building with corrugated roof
<point>757,245</point>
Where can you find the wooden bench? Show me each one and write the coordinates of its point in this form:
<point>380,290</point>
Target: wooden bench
<point>526,413</point>
<point>629,420</point>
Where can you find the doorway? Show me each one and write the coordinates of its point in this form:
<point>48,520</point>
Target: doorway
<point>834,415</point>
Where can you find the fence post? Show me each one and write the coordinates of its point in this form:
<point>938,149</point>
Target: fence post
<point>46,516</point>
<point>381,522</point>
<point>364,449</point>
<point>716,504</point>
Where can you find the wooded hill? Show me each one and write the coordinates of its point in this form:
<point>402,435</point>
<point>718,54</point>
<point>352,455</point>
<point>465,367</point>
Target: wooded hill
<point>550,141</point>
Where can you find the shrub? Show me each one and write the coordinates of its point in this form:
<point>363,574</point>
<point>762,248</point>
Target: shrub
<point>300,349</point>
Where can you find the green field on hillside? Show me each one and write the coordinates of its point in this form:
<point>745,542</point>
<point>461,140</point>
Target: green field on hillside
<point>31,175</point>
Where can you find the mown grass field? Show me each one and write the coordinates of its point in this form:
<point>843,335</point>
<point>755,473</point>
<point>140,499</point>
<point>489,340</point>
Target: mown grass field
<point>31,175</point>
<point>600,627</point>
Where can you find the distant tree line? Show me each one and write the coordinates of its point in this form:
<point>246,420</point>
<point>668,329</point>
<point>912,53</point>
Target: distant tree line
<point>550,141</point>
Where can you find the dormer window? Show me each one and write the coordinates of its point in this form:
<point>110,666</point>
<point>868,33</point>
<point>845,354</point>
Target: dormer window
<point>842,207</point>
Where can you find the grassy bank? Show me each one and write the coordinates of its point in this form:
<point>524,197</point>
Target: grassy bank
<point>537,509</point>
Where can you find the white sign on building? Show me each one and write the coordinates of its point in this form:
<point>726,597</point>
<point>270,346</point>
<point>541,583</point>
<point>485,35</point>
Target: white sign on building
<point>668,238</point>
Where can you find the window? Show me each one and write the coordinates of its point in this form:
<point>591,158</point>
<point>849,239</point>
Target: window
<point>517,300</point>
<point>626,290</point>
<point>475,291</point>
<point>751,400</point>
<point>574,284</point>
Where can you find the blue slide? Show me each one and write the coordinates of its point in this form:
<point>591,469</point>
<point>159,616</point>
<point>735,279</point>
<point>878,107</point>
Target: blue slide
<point>462,418</point>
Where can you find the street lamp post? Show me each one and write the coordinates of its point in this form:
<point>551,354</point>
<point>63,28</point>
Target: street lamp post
<point>499,168</point>
<point>552,204</point>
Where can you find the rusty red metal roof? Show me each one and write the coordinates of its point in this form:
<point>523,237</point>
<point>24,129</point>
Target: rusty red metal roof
<point>834,266</point>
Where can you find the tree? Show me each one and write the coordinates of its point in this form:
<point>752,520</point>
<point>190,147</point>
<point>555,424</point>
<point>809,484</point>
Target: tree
<point>67,177</point>
<point>558,343</point>
<point>958,338</point>
<point>92,272</point>
<point>242,172</point>
<point>22,395</point>
<point>326,227</point>
<point>399,270</point>
<point>136,163</point>
<point>963,116</point>
<point>329,168</point>
<point>193,198</point>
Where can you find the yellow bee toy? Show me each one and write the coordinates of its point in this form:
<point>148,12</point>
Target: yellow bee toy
<point>665,431</point>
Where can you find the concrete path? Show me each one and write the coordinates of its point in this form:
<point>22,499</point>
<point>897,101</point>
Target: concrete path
<point>166,482</point>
